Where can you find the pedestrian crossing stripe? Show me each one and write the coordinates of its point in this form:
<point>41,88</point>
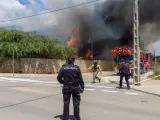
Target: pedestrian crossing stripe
<point>90,89</point>
<point>131,93</point>
<point>104,87</point>
<point>25,80</point>
<point>56,84</point>
<point>109,91</point>
<point>97,86</point>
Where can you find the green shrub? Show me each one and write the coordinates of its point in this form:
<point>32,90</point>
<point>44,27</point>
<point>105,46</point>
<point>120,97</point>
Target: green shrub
<point>156,73</point>
<point>28,45</point>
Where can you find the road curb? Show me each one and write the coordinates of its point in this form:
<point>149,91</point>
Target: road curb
<point>158,95</point>
<point>146,92</point>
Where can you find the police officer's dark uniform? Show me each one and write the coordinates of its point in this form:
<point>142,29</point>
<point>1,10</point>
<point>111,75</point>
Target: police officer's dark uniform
<point>141,67</point>
<point>65,63</point>
<point>71,78</point>
<point>124,72</point>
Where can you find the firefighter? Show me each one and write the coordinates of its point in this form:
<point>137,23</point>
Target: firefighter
<point>95,67</point>
<point>71,78</point>
<point>124,72</point>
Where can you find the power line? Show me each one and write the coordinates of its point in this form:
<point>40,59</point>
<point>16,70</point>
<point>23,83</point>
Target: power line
<point>49,11</point>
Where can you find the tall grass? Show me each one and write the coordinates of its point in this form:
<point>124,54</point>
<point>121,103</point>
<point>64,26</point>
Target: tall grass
<point>156,73</point>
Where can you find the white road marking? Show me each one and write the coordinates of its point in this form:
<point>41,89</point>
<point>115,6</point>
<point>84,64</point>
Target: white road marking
<point>25,80</point>
<point>109,91</point>
<point>104,87</point>
<point>131,93</point>
<point>90,89</point>
<point>99,86</point>
<point>46,83</point>
<point>43,84</point>
<point>105,79</point>
<point>90,85</point>
<point>54,85</point>
<point>4,79</point>
<point>7,81</point>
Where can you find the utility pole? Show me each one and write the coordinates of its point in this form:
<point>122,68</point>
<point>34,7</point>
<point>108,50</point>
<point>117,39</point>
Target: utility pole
<point>136,43</point>
<point>155,59</point>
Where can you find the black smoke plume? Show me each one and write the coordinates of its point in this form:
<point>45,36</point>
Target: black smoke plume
<point>110,24</point>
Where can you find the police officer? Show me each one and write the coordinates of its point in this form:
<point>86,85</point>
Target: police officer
<point>95,67</point>
<point>142,67</point>
<point>71,78</point>
<point>124,72</point>
<point>66,63</point>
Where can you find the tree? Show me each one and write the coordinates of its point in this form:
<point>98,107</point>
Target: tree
<point>28,45</point>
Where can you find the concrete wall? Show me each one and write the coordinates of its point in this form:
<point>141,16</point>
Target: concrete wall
<point>46,66</point>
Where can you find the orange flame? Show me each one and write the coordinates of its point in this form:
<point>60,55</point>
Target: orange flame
<point>87,55</point>
<point>72,41</point>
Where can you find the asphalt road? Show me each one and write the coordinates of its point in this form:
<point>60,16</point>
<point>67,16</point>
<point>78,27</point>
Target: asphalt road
<point>40,98</point>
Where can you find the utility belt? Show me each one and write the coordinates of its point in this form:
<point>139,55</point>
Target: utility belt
<point>125,73</point>
<point>73,88</point>
<point>71,85</point>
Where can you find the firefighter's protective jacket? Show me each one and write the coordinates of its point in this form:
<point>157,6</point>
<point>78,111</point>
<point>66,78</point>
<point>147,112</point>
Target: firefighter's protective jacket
<point>92,67</point>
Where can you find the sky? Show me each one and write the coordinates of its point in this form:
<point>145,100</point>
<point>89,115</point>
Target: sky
<point>18,8</point>
<point>44,24</point>
<point>10,9</point>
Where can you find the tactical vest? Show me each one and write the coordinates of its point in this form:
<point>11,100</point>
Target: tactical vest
<point>125,69</point>
<point>95,67</point>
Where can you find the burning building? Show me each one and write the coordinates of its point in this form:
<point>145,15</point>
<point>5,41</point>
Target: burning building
<point>110,24</point>
<point>72,40</point>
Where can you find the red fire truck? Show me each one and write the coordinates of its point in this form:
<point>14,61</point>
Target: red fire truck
<point>124,53</point>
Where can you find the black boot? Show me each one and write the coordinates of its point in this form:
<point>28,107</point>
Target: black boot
<point>128,88</point>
